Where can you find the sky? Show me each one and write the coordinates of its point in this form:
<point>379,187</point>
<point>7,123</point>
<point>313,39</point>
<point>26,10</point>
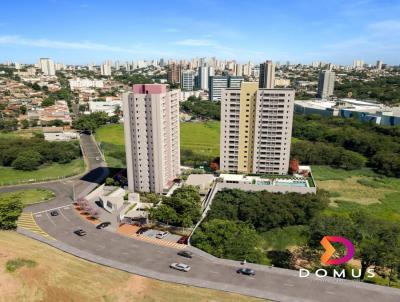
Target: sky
<point>299,31</point>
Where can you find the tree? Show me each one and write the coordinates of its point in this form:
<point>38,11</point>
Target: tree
<point>10,210</point>
<point>49,101</point>
<point>23,109</point>
<point>27,161</point>
<point>164,214</point>
<point>25,124</point>
<point>228,239</point>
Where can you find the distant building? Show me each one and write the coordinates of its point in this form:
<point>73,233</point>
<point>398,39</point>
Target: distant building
<point>151,125</point>
<point>105,69</point>
<point>256,128</point>
<point>174,73</point>
<point>267,75</point>
<point>58,134</point>
<point>107,107</point>
<point>203,77</point>
<point>358,64</point>
<point>281,82</point>
<point>47,66</point>
<point>379,64</point>
<point>187,80</point>
<point>78,83</point>
<point>218,83</point>
<point>326,84</point>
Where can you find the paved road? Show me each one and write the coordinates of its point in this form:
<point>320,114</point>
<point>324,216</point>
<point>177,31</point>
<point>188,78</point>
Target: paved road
<point>150,260</point>
<point>139,257</point>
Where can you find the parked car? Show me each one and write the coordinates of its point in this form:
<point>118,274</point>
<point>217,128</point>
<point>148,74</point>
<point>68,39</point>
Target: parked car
<point>142,230</point>
<point>185,254</point>
<point>161,235</point>
<point>183,240</point>
<point>54,213</point>
<point>246,271</point>
<point>97,158</point>
<point>80,232</point>
<point>180,267</point>
<point>103,225</point>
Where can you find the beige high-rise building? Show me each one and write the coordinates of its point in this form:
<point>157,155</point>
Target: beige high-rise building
<point>256,128</point>
<point>267,75</point>
<point>151,124</point>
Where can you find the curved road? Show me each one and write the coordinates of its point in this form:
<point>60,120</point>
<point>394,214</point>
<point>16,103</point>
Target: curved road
<point>136,256</point>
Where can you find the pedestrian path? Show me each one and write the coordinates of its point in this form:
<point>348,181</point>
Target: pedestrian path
<point>27,222</point>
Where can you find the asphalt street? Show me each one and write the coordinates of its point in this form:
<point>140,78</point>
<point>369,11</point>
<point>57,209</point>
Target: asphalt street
<point>153,260</point>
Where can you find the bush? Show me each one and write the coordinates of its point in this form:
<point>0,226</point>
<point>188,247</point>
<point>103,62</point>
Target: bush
<point>13,265</point>
<point>10,210</point>
<point>27,161</point>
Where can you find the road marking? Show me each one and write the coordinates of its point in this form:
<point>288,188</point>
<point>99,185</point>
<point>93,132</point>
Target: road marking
<point>64,215</point>
<point>26,221</point>
<point>212,272</point>
<point>51,220</point>
<point>38,215</point>
<point>330,293</point>
<point>40,212</point>
<point>288,284</point>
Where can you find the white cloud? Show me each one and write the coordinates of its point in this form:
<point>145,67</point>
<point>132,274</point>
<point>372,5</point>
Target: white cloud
<point>84,45</point>
<point>196,42</point>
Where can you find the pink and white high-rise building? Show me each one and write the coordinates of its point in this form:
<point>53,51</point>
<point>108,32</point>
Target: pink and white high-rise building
<point>151,122</point>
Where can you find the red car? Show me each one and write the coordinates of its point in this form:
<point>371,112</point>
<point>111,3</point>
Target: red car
<point>183,240</point>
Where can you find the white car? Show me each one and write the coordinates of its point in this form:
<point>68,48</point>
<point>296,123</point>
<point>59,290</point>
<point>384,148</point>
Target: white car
<point>180,267</point>
<point>161,235</point>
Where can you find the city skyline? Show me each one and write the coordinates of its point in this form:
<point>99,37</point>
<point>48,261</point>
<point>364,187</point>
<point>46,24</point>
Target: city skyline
<point>298,31</point>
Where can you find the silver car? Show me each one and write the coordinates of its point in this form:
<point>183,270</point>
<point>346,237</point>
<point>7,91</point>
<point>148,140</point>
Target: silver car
<point>180,267</point>
<point>161,235</point>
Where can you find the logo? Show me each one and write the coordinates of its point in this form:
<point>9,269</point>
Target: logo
<point>330,250</point>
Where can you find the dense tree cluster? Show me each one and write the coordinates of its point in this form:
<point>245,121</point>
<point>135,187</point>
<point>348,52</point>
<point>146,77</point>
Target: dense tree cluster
<point>133,78</point>
<point>379,144</point>
<point>183,208</point>
<point>91,121</point>
<point>229,239</point>
<point>377,241</point>
<point>264,210</point>
<point>317,153</point>
<point>202,109</point>
<point>8,124</point>
<point>10,209</point>
<point>382,89</point>
<point>29,154</point>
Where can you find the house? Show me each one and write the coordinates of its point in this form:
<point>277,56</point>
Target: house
<point>58,134</point>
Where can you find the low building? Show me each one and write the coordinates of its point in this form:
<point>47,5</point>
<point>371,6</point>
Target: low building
<point>202,181</point>
<point>108,107</point>
<point>58,134</point>
<point>366,111</point>
<point>58,111</point>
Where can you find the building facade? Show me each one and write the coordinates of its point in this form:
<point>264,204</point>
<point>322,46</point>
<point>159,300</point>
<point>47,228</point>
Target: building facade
<point>203,77</point>
<point>151,124</point>
<point>267,75</point>
<point>256,129</point>
<point>47,66</point>
<point>218,83</point>
<point>187,80</point>
<point>174,73</point>
<point>326,84</point>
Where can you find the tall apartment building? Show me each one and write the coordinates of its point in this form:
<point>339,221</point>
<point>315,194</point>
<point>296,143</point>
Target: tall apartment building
<point>219,83</point>
<point>267,75</point>
<point>256,128</point>
<point>326,84</point>
<point>47,66</point>
<point>187,80</point>
<point>358,64</point>
<point>174,73</point>
<point>105,69</point>
<point>378,65</point>
<point>151,125</point>
<point>203,76</point>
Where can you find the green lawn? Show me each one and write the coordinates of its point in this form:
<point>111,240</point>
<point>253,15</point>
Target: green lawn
<point>111,139</point>
<point>362,189</point>
<point>279,239</point>
<point>29,196</point>
<point>9,176</point>
<point>202,138</point>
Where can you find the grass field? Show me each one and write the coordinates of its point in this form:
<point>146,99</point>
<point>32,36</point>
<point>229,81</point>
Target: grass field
<point>9,176</point>
<point>360,190</point>
<point>200,137</point>
<point>47,274</point>
<point>29,196</point>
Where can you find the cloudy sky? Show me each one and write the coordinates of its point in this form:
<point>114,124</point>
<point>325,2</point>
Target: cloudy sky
<point>337,31</point>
